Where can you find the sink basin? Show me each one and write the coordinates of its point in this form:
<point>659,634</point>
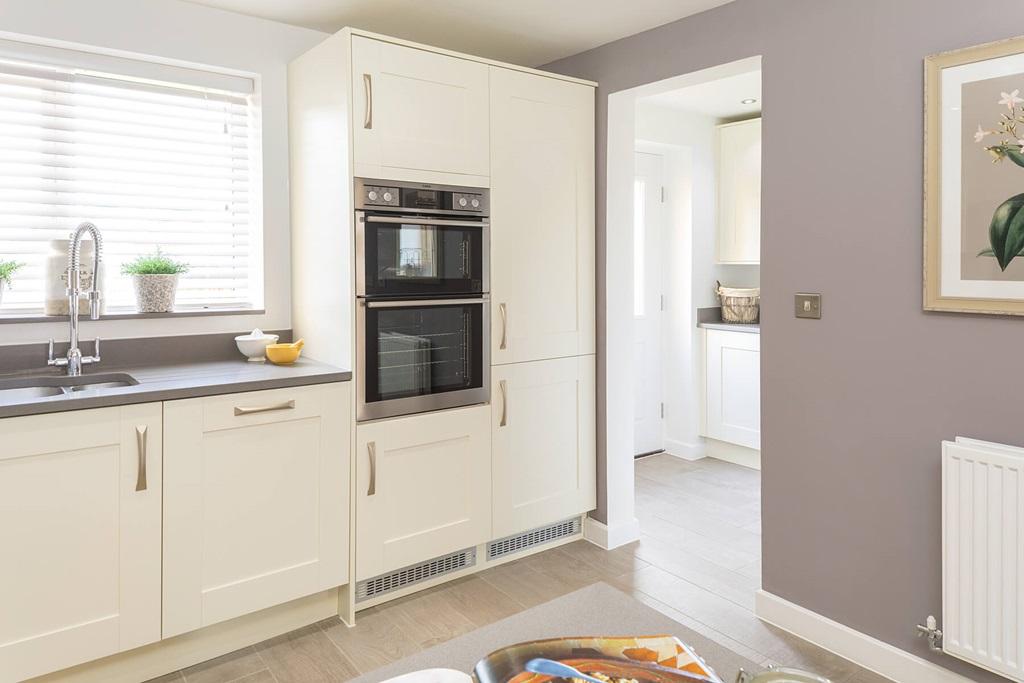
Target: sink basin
<point>21,389</point>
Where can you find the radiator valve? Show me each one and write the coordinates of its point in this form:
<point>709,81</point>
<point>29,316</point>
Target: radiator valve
<point>930,630</point>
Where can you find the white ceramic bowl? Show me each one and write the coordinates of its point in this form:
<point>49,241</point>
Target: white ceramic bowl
<point>254,347</point>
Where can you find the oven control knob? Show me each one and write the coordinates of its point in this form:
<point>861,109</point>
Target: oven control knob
<point>463,201</point>
<point>387,196</point>
<point>475,203</point>
<point>372,195</point>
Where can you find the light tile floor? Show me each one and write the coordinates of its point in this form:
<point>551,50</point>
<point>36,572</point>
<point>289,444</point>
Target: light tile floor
<point>698,561</point>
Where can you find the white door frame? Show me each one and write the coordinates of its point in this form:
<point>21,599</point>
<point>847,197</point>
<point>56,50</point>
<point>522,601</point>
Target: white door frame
<point>620,525</point>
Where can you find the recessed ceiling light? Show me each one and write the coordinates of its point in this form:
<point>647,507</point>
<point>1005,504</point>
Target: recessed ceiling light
<point>749,100</point>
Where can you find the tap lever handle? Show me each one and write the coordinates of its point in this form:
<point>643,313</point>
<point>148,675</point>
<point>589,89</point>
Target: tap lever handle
<point>96,350</point>
<point>49,353</point>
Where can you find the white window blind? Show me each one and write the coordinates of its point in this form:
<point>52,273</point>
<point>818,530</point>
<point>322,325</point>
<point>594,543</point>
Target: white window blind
<point>153,163</point>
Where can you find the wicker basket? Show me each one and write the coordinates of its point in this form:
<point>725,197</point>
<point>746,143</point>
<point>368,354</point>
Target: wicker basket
<point>740,305</point>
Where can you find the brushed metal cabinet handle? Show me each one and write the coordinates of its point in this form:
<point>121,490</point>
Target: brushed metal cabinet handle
<point>368,87</point>
<point>141,441</point>
<point>503,310</point>
<point>247,410</point>
<point>371,449</point>
<point>503,385</point>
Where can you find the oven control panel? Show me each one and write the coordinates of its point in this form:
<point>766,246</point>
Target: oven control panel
<point>398,196</point>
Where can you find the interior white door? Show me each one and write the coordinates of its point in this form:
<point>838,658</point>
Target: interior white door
<point>423,487</point>
<point>542,225</point>
<point>734,387</point>
<point>648,418</point>
<point>256,505</point>
<point>418,115</point>
<point>80,537</point>
<point>544,448</point>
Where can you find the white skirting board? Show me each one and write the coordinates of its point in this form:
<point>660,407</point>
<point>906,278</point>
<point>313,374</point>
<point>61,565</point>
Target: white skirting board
<point>600,535</point>
<point>736,454</point>
<point>860,648</point>
<point>685,450</point>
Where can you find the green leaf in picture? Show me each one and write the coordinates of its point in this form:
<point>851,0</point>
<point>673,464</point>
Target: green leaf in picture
<point>987,251</point>
<point>1014,155</point>
<point>1006,231</point>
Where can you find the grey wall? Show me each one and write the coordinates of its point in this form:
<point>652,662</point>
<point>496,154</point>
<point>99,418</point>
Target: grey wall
<point>854,405</point>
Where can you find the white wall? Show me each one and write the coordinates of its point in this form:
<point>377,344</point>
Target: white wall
<point>176,30</point>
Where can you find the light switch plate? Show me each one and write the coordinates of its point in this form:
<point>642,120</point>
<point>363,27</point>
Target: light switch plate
<point>808,305</point>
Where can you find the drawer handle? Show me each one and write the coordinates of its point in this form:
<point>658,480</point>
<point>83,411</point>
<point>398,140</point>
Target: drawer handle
<point>371,449</point>
<point>503,385</point>
<point>503,310</point>
<point>140,440</point>
<point>368,87</point>
<point>283,405</point>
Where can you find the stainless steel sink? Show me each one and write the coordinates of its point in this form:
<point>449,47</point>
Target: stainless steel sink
<point>21,389</point>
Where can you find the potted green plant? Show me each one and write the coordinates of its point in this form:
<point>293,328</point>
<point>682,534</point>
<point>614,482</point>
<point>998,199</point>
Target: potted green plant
<point>155,277</point>
<point>7,271</point>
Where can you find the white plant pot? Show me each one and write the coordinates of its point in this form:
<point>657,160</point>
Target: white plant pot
<point>155,293</point>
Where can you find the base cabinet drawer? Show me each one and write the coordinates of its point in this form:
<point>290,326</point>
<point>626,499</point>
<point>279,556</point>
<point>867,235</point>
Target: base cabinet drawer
<point>255,501</point>
<point>422,488</point>
<point>80,533</point>
<point>544,442</point>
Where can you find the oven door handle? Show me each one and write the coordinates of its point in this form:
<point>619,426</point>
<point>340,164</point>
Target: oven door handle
<point>417,220</point>
<point>423,302</point>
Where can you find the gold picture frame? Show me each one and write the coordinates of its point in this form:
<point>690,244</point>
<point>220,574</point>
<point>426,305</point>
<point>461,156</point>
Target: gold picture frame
<point>944,252</point>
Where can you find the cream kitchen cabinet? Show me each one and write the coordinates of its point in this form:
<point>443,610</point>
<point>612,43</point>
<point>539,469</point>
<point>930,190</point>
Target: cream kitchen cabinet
<point>422,488</point>
<point>733,387</point>
<point>739,192</point>
<point>542,225</point>
<point>80,497</point>
<point>256,505</point>
<point>543,437</point>
<point>418,115</point>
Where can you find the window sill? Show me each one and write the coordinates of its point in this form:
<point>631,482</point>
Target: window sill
<point>128,315</point>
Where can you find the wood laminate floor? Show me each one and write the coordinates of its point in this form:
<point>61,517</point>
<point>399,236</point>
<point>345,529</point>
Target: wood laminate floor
<point>698,561</point>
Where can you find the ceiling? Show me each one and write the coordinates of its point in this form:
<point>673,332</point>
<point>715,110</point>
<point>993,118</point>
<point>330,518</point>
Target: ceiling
<point>721,98</point>
<point>527,32</point>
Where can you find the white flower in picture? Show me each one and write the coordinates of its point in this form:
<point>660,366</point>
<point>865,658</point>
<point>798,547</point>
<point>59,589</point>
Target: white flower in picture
<point>1011,100</point>
<point>980,134</point>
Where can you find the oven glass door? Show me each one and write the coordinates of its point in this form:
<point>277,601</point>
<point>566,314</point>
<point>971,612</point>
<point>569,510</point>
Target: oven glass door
<point>423,355</point>
<point>425,256</point>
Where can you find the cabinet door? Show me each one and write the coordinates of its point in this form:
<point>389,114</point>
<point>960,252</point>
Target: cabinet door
<point>739,192</point>
<point>542,230</point>
<point>80,533</point>
<point>734,387</point>
<point>255,501</point>
<point>422,488</point>
<point>418,115</point>
<point>544,430</point>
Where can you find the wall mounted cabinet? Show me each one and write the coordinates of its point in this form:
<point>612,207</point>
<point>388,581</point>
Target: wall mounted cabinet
<point>256,511</point>
<point>542,207</point>
<point>733,387</point>
<point>417,114</point>
<point>544,433</point>
<point>739,192</point>
<point>80,497</point>
<point>422,488</point>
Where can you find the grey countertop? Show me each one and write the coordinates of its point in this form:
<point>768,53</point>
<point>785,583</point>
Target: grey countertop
<point>731,327</point>
<point>181,380</point>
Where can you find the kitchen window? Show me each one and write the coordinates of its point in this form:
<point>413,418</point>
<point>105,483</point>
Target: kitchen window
<point>156,155</point>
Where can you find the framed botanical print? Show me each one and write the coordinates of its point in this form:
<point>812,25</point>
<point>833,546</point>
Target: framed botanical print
<point>974,180</point>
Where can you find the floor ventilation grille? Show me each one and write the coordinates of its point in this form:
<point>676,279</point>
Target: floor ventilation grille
<point>533,538</point>
<point>407,576</point>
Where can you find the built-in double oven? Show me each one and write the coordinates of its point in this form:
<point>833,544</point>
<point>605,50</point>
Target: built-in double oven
<point>422,297</point>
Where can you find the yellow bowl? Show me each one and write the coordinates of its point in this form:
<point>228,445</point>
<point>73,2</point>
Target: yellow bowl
<point>284,354</point>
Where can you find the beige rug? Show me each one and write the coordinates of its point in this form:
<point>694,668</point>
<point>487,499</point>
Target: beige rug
<point>597,610</point>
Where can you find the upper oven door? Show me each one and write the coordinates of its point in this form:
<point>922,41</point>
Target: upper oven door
<point>403,256</point>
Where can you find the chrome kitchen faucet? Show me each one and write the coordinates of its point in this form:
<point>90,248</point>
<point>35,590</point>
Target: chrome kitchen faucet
<point>75,360</point>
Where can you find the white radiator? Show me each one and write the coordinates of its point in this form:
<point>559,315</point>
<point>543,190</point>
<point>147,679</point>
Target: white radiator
<point>983,555</point>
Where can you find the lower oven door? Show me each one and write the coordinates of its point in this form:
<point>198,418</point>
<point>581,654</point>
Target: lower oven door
<point>421,355</point>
